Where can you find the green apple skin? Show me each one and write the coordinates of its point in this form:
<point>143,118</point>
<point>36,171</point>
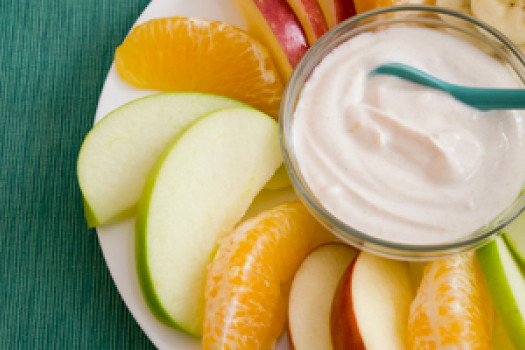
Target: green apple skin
<point>506,283</point>
<point>514,234</point>
<point>196,193</point>
<point>119,151</point>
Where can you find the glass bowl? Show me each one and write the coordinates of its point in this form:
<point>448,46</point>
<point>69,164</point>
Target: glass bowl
<point>455,23</point>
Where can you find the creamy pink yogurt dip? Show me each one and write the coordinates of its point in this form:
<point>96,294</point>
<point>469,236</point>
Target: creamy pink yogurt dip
<point>404,162</point>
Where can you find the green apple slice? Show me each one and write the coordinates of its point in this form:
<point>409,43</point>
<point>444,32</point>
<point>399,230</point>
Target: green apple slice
<point>119,152</point>
<point>199,190</point>
<point>515,237</point>
<point>506,283</point>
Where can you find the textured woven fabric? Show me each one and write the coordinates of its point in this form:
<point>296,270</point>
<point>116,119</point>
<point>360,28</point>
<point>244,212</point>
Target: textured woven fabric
<point>55,290</point>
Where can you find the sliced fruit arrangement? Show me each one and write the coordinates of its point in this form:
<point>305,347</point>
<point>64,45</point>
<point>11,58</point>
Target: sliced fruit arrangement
<point>245,293</point>
<point>198,191</point>
<point>370,306</point>
<point>311,295</point>
<point>193,54</point>
<point>506,282</point>
<point>274,23</point>
<point>194,161</point>
<point>289,27</point>
<point>120,151</point>
<point>311,18</point>
<point>507,16</point>
<point>452,308</point>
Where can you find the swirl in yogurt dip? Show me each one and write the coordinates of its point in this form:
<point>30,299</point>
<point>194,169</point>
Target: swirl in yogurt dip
<point>400,161</point>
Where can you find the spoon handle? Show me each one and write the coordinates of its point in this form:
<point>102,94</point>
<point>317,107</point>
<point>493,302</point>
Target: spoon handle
<point>489,99</point>
<point>481,98</point>
<point>411,74</point>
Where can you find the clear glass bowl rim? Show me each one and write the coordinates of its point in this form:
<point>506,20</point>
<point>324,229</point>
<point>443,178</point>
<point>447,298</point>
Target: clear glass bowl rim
<point>346,233</point>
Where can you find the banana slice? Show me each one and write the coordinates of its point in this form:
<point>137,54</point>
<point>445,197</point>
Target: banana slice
<point>508,16</point>
<point>462,6</point>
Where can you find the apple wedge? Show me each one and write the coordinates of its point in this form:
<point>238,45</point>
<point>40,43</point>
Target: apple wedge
<point>514,234</point>
<point>119,151</point>
<point>200,188</point>
<point>506,283</point>
<point>275,24</point>
<point>371,304</point>
<point>311,18</point>
<point>336,11</point>
<point>310,301</point>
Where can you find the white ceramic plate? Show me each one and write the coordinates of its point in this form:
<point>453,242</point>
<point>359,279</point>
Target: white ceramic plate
<point>117,241</point>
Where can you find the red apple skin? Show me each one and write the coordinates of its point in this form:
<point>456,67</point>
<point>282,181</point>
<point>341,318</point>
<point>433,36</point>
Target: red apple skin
<point>336,11</point>
<point>344,10</point>
<point>319,340</point>
<point>275,24</point>
<point>311,17</point>
<point>343,324</point>
<point>371,305</point>
<point>285,26</point>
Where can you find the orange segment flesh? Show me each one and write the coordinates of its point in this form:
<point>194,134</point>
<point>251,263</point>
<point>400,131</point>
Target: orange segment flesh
<point>367,5</point>
<point>244,301</point>
<point>452,308</point>
<point>190,54</point>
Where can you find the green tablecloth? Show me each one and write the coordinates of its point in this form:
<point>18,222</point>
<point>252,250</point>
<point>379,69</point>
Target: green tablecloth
<point>55,290</point>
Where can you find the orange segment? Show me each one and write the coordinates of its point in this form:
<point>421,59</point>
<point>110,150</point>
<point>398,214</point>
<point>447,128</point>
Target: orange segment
<point>190,54</point>
<point>244,302</point>
<point>452,308</point>
<point>367,5</point>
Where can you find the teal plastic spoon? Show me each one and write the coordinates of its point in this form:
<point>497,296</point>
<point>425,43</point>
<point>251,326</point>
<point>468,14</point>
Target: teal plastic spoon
<point>484,99</point>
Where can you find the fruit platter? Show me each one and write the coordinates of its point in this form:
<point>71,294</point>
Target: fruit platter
<point>208,244</point>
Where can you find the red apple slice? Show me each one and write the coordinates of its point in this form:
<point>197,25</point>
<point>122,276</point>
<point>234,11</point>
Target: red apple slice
<point>336,11</point>
<point>310,301</point>
<point>274,23</point>
<point>371,304</point>
<point>311,17</point>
